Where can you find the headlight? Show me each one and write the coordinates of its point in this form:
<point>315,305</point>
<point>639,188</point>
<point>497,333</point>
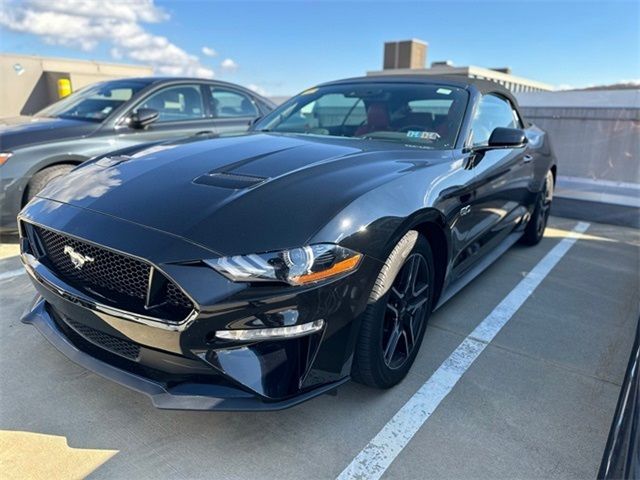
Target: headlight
<point>4,156</point>
<point>298,266</point>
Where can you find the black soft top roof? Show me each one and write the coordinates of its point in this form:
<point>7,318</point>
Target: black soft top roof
<point>484,86</point>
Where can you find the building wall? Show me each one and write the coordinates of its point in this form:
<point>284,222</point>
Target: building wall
<point>595,134</point>
<point>29,89</point>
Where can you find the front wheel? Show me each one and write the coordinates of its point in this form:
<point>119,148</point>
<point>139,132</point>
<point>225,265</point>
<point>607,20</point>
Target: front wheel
<point>534,231</point>
<point>394,322</point>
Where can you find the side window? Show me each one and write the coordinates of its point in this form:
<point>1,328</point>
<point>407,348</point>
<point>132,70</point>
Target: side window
<point>181,102</point>
<point>492,112</point>
<point>230,103</point>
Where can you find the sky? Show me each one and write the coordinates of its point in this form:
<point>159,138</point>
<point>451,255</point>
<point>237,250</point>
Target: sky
<point>281,48</point>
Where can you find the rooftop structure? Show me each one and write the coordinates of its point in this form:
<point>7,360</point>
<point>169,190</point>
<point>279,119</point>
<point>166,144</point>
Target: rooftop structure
<point>409,58</point>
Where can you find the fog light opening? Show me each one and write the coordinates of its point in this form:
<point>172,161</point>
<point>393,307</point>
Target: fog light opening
<point>292,331</point>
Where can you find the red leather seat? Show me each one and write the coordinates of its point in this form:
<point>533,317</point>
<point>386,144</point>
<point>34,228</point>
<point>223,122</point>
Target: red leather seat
<point>377,119</point>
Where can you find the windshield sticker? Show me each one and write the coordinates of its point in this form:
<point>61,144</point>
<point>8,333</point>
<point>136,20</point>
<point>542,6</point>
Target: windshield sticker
<point>443,91</point>
<point>431,136</point>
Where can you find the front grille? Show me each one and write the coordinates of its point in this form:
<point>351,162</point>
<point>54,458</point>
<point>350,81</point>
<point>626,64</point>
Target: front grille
<point>112,275</point>
<point>120,346</point>
<point>176,297</point>
<point>107,269</point>
<point>139,366</point>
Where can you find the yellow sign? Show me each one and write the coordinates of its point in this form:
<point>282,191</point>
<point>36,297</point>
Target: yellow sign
<point>64,87</point>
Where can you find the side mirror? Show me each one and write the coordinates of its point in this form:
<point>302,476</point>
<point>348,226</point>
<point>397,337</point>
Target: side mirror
<point>507,138</point>
<point>143,117</point>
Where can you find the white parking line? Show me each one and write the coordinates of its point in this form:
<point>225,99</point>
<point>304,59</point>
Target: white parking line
<point>380,452</point>
<point>11,274</point>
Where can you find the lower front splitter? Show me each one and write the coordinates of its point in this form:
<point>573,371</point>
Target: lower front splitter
<point>183,396</point>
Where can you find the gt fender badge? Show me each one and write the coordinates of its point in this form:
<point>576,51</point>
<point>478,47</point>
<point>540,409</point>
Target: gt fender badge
<point>77,259</point>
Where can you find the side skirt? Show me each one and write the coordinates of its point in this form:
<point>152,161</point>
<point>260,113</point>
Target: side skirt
<point>478,268</point>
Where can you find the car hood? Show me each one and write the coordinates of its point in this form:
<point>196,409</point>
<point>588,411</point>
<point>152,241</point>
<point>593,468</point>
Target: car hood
<point>22,131</point>
<point>255,192</point>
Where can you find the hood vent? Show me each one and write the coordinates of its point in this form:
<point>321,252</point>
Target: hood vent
<point>229,180</point>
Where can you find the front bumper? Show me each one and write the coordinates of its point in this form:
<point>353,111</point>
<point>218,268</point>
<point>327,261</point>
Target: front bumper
<point>182,365</point>
<point>182,396</point>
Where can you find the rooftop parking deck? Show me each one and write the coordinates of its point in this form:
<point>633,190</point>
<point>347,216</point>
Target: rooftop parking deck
<point>537,401</point>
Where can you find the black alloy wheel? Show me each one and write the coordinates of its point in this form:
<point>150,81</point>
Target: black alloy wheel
<point>545,204</point>
<point>405,311</point>
<point>395,320</point>
<point>534,230</point>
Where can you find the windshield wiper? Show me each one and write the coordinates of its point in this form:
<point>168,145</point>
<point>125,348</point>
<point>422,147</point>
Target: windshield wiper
<point>376,137</point>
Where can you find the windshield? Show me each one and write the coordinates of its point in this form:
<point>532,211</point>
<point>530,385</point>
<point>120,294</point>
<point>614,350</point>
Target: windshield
<point>94,103</point>
<point>428,115</point>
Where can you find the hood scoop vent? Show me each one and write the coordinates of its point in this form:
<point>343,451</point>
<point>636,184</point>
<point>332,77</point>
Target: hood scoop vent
<point>232,181</point>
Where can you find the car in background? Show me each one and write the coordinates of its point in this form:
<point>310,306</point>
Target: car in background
<point>111,116</point>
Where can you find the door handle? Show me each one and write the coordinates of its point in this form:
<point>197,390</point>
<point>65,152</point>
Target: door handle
<point>205,132</point>
<point>527,158</point>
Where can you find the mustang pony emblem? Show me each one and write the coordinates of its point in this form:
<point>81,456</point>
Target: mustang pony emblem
<point>77,259</point>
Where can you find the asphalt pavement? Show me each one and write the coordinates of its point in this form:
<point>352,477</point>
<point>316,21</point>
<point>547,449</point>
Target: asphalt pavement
<point>537,401</point>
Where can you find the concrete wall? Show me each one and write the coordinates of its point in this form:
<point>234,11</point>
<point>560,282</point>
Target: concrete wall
<point>623,98</point>
<point>25,81</point>
<point>595,134</point>
<point>601,144</point>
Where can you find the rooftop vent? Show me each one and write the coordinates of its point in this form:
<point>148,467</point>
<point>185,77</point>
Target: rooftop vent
<point>405,54</point>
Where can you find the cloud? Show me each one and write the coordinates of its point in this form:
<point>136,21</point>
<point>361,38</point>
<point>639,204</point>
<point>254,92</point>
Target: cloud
<point>85,24</point>
<point>209,52</point>
<point>127,10</point>
<point>229,65</point>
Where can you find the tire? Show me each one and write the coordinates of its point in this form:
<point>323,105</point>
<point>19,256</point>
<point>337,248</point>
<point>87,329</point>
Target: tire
<point>43,177</point>
<point>388,316</point>
<point>534,230</point>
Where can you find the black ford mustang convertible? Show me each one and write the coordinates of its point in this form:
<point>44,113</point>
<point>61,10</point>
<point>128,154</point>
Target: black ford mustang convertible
<point>256,271</point>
